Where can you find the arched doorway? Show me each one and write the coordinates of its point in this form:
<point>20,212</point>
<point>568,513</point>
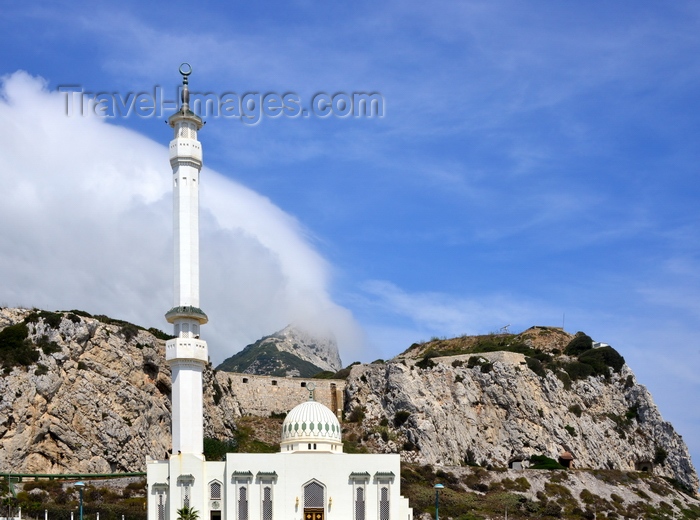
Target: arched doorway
<point>314,501</point>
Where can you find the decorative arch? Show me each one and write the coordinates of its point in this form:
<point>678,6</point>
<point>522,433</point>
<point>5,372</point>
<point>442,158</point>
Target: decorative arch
<point>216,489</point>
<point>314,494</point>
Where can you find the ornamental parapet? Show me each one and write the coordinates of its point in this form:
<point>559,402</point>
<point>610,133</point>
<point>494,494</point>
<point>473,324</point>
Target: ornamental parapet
<point>186,349</point>
<point>185,150</point>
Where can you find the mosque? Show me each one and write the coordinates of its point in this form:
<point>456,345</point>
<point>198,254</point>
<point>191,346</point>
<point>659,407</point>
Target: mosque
<point>310,478</point>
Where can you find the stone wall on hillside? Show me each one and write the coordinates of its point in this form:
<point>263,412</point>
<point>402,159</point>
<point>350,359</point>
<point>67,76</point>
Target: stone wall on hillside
<point>265,395</point>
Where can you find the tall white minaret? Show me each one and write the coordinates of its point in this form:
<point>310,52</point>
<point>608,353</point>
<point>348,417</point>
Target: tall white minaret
<point>187,355</point>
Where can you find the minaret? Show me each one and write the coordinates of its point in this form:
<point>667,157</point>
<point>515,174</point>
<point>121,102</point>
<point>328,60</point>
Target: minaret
<point>186,354</point>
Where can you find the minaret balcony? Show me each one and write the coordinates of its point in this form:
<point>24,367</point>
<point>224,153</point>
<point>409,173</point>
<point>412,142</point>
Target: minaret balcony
<point>186,349</point>
<point>185,149</point>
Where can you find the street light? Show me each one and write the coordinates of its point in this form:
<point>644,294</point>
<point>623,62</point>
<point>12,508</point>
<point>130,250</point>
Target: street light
<point>80,485</point>
<point>438,487</point>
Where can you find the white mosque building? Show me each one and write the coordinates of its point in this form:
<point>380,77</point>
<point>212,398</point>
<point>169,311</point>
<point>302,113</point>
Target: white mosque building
<point>310,478</point>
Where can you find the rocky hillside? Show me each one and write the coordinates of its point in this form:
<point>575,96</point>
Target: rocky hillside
<point>497,400</point>
<point>91,394</point>
<point>289,352</point>
<point>87,394</point>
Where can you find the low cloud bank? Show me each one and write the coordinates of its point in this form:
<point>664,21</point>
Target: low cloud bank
<point>87,224</point>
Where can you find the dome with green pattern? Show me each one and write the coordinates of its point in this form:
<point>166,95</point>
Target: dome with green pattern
<point>311,423</point>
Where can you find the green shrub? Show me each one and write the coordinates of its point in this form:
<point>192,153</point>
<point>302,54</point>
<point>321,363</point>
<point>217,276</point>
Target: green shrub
<point>571,430</point>
<point>343,373</point>
<point>14,347</point>
<point>660,455</point>
<point>160,334</point>
<point>476,361</point>
<point>564,378</point>
<point>576,410</point>
<point>427,361</point>
<point>41,370</point>
<point>52,319</point>
<point>401,417</point>
<point>47,347</point>
<point>325,374</point>
<point>215,449</point>
<point>536,366</point>
<point>542,462</point>
<point>581,343</point>
<point>357,414</point>
<point>577,370</point>
<point>129,331</point>
<point>602,358</point>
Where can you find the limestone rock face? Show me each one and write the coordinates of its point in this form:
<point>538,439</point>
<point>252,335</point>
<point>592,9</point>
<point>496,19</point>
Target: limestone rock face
<point>291,351</point>
<point>96,401</point>
<point>450,414</point>
<point>322,352</point>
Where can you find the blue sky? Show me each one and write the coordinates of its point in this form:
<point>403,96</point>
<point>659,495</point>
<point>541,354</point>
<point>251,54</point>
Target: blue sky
<point>536,164</point>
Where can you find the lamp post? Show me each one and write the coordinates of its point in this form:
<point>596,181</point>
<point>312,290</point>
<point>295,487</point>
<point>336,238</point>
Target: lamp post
<point>438,487</point>
<point>80,485</point>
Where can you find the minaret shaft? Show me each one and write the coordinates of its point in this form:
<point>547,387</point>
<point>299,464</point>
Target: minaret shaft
<point>186,226</point>
<point>186,354</point>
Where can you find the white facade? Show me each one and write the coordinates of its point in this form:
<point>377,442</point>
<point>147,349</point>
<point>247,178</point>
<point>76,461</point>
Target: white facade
<point>310,478</point>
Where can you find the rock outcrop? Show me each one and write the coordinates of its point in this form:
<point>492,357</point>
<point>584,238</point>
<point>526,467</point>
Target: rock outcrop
<point>96,399</point>
<point>494,410</point>
<point>290,351</point>
<point>90,394</point>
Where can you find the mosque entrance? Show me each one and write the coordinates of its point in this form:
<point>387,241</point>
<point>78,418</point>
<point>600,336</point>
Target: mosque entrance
<point>313,513</point>
<point>314,501</point>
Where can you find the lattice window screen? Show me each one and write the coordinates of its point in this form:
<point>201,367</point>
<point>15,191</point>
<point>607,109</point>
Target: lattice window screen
<point>267,503</point>
<point>384,503</point>
<point>186,495</point>
<point>161,506</point>
<point>242,503</point>
<point>360,504</point>
<point>313,495</point>
<point>215,491</point>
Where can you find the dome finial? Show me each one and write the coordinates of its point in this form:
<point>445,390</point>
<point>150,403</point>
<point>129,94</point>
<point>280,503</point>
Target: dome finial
<point>311,387</point>
<point>185,70</point>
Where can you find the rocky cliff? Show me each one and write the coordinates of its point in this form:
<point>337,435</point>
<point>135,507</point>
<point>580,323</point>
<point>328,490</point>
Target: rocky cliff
<point>496,408</point>
<point>84,394</point>
<point>290,351</point>
<point>90,394</point>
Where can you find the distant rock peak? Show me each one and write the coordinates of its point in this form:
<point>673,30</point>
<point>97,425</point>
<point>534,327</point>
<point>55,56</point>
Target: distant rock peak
<point>291,351</point>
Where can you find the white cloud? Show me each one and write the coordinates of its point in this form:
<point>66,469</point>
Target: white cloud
<point>87,224</point>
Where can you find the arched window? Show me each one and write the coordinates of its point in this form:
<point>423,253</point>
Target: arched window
<point>243,503</point>
<point>215,491</point>
<point>267,503</point>
<point>359,503</point>
<point>313,495</point>
<point>161,506</point>
<point>186,495</point>
<point>384,503</point>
